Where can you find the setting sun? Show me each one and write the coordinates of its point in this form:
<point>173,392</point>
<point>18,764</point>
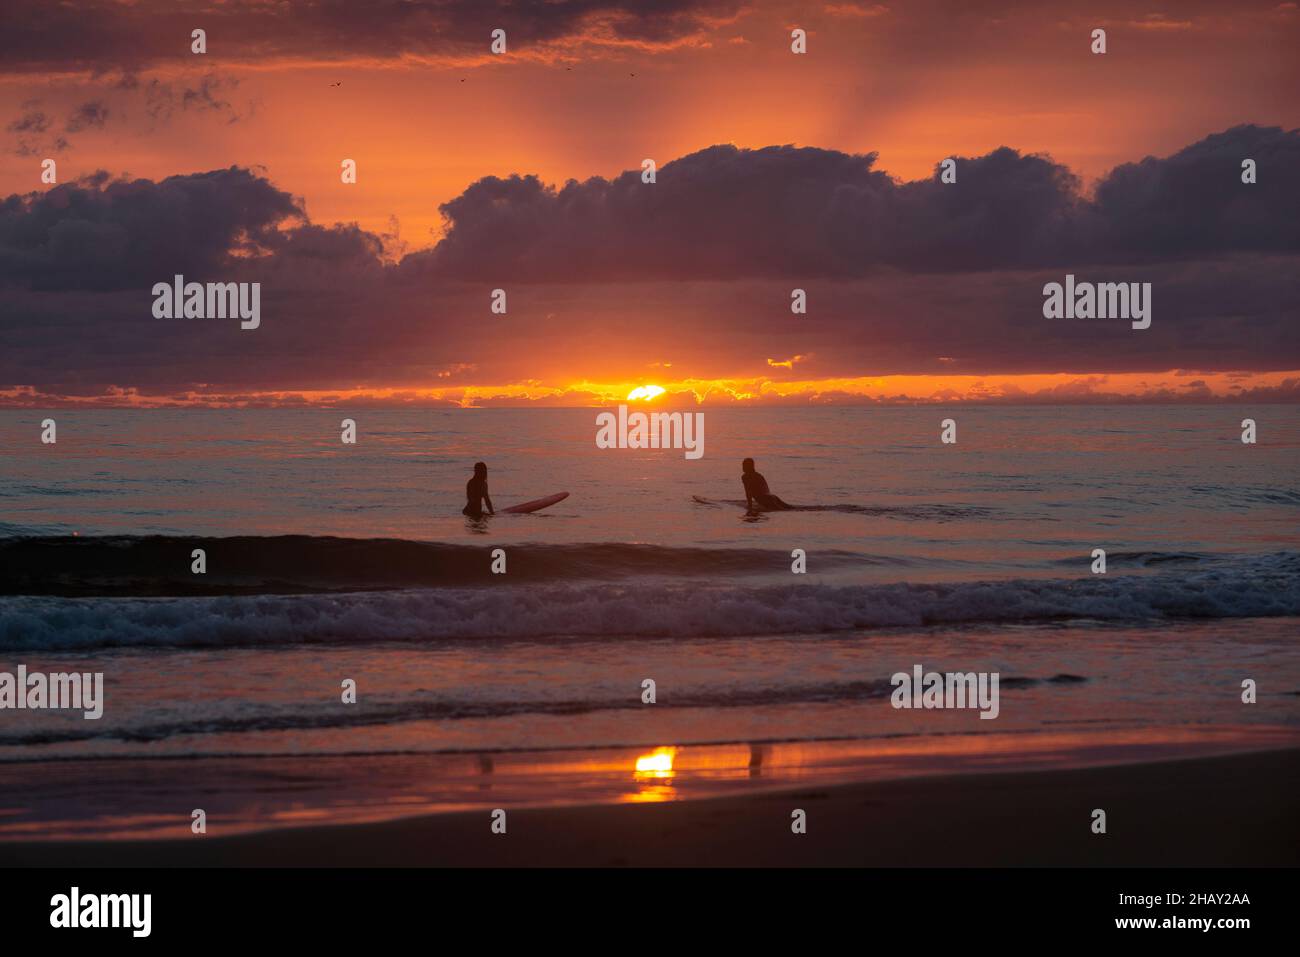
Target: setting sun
<point>646,392</point>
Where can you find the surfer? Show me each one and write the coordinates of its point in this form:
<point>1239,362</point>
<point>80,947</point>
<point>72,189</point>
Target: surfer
<point>756,489</point>
<point>476,491</point>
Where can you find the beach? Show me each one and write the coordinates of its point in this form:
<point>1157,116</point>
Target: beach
<point>650,666</point>
<point>1209,812</point>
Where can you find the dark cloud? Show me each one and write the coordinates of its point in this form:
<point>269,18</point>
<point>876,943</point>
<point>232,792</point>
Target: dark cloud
<point>207,94</point>
<point>29,129</point>
<point>95,35</point>
<point>726,212</point>
<point>721,213</point>
<point>32,121</point>
<point>92,114</point>
<point>103,234</point>
<point>1194,202</point>
<point>902,278</point>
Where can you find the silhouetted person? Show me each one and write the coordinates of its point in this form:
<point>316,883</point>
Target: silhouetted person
<point>756,490</point>
<point>476,491</point>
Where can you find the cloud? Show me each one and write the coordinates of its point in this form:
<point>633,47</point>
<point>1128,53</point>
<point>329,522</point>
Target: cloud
<point>855,11</point>
<point>32,121</point>
<point>102,234</point>
<point>206,94</point>
<point>1194,203</point>
<point>95,35</point>
<point>608,276</point>
<point>787,363</point>
<point>1158,21</point>
<point>30,127</point>
<point>722,213</point>
<point>725,212</point>
<point>88,115</point>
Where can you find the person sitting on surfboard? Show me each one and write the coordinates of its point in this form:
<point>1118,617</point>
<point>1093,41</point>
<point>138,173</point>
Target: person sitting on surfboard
<point>476,491</point>
<point>756,489</point>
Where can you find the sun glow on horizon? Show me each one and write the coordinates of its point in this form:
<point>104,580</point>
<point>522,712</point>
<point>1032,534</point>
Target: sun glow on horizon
<point>1171,385</point>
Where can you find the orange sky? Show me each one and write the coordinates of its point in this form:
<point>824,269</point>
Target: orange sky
<point>915,82</point>
<point>914,92</point>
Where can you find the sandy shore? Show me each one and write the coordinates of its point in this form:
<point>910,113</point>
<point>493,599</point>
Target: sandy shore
<point>1222,811</point>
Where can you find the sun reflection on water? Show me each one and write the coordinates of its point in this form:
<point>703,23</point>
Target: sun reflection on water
<point>654,775</point>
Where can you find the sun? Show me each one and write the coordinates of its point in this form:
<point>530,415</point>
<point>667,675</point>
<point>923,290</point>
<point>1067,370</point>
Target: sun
<point>646,392</point>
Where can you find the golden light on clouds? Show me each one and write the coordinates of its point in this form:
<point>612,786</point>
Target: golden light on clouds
<point>1169,385</point>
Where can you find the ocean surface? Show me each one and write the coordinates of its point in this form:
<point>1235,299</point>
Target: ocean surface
<point>328,562</point>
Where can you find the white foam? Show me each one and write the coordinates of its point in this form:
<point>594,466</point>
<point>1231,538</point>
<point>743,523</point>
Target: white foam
<point>1262,586</point>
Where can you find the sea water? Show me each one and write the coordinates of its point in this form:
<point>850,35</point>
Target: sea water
<point>969,557</point>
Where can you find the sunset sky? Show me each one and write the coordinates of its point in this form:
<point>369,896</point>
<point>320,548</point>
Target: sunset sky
<point>776,171</point>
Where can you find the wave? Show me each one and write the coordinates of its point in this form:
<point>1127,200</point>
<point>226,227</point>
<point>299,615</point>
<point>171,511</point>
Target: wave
<point>1145,559</point>
<point>1254,586</point>
<point>430,707</point>
<point>934,513</point>
<point>292,564</point>
<point>1245,496</point>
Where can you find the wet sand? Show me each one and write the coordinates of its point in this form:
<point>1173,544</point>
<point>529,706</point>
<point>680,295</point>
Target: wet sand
<point>1239,810</point>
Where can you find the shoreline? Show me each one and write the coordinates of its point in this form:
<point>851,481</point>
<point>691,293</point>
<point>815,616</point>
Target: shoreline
<point>63,800</point>
<point>1235,810</point>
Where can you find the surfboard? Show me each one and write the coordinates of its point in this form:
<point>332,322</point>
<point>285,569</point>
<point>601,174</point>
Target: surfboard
<point>536,504</point>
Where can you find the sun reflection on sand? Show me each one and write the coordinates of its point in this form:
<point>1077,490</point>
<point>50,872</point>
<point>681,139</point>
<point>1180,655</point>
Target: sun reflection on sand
<point>657,764</point>
<point>351,790</point>
<point>654,775</point>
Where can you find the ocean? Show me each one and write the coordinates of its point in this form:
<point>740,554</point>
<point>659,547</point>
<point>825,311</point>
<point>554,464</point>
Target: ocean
<point>327,562</point>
